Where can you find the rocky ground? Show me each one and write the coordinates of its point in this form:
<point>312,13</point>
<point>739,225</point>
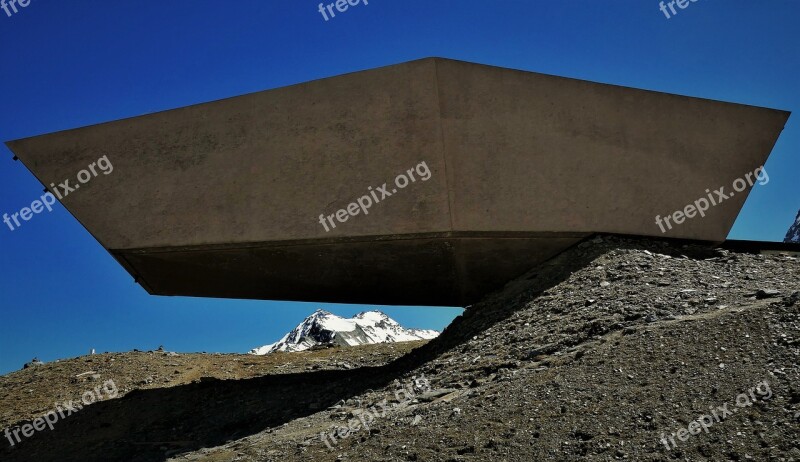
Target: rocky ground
<point>615,350</point>
<point>31,392</point>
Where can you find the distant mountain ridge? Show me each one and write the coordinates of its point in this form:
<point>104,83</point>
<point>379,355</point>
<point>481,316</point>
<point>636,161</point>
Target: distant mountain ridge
<point>325,328</point>
<point>793,235</point>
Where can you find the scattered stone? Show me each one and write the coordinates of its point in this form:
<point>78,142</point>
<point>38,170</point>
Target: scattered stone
<point>767,293</point>
<point>33,363</point>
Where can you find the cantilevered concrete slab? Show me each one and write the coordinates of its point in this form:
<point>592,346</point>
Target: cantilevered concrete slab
<point>223,199</point>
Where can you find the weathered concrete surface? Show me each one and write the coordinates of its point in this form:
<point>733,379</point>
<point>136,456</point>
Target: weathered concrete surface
<point>222,199</point>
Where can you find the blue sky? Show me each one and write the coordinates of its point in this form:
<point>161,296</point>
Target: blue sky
<point>76,63</point>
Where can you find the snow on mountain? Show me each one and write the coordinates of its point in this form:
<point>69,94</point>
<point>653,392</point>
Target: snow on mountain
<point>324,328</point>
<point>793,235</point>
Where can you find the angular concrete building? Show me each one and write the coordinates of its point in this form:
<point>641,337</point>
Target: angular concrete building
<point>239,197</point>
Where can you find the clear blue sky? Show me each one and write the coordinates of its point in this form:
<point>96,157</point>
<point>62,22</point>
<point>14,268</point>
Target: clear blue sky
<point>68,64</point>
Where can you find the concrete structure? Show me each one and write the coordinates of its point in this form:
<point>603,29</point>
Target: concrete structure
<point>223,199</point>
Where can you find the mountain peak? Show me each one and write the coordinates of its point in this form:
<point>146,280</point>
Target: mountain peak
<point>325,328</point>
<point>793,235</point>
<point>371,313</point>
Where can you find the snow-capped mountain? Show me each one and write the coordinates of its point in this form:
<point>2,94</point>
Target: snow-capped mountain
<point>324,328</point>
<point>793,235</point>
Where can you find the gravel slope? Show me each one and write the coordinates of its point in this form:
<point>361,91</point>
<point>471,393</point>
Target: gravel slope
<point>633,346</point>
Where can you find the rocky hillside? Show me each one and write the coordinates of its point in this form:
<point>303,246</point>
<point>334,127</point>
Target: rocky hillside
<point>30,393</point>
<point>793,235</point>
<point>323,329</point>
<point>614,350</point>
